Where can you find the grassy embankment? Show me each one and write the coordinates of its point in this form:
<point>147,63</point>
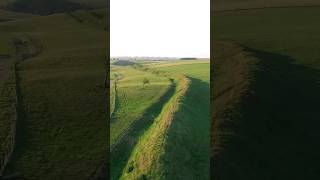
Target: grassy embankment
<point>60,130</point>
<point>8,97</point>
<point>176,146</point>
<point>266,127</point>
<point>136,106</point>
<point>7,102</point>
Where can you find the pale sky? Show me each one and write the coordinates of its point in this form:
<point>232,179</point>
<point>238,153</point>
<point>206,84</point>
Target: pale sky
<point>166,28</point>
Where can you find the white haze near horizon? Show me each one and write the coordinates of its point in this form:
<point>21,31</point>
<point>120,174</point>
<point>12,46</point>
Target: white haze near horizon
<point>162,28</point>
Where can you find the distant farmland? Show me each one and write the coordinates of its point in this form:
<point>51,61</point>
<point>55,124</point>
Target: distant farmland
<point>154,118</point>
<point>265,91</point>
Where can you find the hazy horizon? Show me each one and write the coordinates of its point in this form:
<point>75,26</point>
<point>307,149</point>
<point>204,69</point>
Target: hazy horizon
<point>160,28</point>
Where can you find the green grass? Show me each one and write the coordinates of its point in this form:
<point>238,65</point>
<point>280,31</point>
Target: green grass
<point>133,98</point>
<point>270,132</point>
<point>61,131</point>
<point>135,107</point>
<point>144,162</point>
<point>178,139</point>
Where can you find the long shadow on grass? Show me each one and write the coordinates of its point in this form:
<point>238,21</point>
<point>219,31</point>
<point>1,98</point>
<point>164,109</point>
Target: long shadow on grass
<point>275,134</point>
<point>121,152</point>
<point>188,138</point>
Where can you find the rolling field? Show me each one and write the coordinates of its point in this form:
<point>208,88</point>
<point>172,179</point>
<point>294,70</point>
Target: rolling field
<point>265,108</point>
<point>61,127</point>
<point>167,133</point>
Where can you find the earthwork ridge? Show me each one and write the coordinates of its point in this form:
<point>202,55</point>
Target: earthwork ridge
<point>24,47</point>
<point>161,113</point>
<point>263,104</point>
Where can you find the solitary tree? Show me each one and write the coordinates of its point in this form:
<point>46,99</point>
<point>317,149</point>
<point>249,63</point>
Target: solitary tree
<point>115,76</point>
<point>145,81</point>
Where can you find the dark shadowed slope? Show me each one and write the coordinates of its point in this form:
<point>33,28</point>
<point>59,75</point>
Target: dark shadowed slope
<point>271,131</point>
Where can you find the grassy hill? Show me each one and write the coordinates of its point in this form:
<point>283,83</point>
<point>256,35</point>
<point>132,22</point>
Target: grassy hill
<point>62,105</point>
<point>265,123</point>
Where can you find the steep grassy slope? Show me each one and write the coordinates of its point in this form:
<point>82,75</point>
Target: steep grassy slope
<point>272,133</point>
<point>231,78</point>
<point>60,130</point>
<point>176,146</point>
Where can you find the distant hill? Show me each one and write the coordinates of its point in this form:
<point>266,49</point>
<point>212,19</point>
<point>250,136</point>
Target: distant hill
<point>188,58</point>
<point>123,63</point>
